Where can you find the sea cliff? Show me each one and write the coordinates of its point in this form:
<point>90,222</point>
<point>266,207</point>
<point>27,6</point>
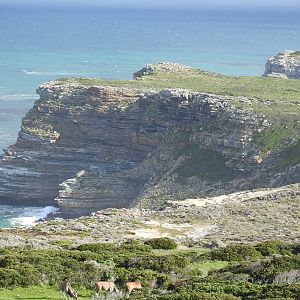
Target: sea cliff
<point>88,145</point>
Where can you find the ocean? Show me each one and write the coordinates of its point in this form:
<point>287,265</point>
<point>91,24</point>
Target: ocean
<point>41,44</point>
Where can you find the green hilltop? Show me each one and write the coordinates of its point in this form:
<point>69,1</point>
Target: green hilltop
<point>282,95</point>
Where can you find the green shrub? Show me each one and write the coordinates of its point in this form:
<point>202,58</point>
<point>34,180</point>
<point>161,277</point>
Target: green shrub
<point>241,290</point>
<point>9,278</point>
<point>235,252</point>
<point>270,268</point>
<point>129,246</point>
<point>196,296</point>
<point>164,263</point>
<point>274,247</point>
<point>162,243</point>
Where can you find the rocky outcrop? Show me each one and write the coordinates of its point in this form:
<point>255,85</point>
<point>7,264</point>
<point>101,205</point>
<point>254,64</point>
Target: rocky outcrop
<point>86,147</point>
<point>161,67</point>
<point>284,65</point>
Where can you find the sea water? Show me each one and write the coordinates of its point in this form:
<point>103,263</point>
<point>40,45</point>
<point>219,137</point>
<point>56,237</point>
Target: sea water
<point>23,216</point>
<point>41,44</point>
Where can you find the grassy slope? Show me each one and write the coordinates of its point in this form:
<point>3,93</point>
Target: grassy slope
<point>296,54</point>
<point>205,164</point>
<point>38,293</point>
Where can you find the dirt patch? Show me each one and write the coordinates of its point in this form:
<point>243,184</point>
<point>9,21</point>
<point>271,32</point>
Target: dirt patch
<point>218,200</point>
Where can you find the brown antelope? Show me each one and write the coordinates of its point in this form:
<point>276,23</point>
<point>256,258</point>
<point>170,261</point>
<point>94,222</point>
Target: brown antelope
<point>133,285</point>
<point>66,289</point>
<point>108,286</point>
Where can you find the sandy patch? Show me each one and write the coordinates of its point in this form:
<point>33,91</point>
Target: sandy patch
<point>201,232</point>
<point>218,200</point>
<point>144,233</point>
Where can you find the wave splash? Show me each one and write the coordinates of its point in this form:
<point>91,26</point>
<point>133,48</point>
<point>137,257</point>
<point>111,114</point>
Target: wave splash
<point>31,215</point>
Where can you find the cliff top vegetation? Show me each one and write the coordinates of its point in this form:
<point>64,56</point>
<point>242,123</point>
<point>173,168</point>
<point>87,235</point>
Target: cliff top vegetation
<point>275,96</point>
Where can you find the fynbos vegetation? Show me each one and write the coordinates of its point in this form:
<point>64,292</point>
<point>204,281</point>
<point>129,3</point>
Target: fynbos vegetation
<point>260,271</point>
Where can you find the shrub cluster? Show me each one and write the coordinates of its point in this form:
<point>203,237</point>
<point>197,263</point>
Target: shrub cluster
<point>249,276</point>
<point>236,252</point>
<point>277,247</point>
<point>162,243</point>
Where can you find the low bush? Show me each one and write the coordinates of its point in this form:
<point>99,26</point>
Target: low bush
<point>9,278</point>
<point>162,243</point>
<point>196,296</point>
<point>274,247</point>
<point>277,265</point>
<point>164,263</point>
<point>129,246</point>
<point>235,252</point>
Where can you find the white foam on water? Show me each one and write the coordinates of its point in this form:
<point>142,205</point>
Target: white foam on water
<point>58,73</point>
<point>17,97</point>
<point>31,72</point>
<point>31,215</point>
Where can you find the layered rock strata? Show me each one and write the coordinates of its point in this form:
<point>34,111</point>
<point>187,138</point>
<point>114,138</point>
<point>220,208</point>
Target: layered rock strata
<point>284,65</point>
<point>87,148</point>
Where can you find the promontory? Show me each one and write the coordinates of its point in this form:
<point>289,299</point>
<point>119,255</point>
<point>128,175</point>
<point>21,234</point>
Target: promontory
<point>172,133</point>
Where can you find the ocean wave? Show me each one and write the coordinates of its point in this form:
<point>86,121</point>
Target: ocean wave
<point>17,97</point>
<point>31,215</point>
<point>58,73</point>
<point>32,72</point>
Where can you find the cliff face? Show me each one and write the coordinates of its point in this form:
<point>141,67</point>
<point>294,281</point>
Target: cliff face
<point>284,65</point>
<point>86,148</point>
<point>68,130</point>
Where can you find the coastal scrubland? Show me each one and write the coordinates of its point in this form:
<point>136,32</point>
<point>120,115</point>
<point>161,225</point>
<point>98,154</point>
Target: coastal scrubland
<point>266,270</point>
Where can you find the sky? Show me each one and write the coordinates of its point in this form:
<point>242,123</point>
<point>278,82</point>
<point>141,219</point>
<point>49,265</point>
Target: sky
<point>251,4</point>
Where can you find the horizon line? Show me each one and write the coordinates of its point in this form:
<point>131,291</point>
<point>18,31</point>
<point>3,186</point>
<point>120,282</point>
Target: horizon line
<point>262,8</point>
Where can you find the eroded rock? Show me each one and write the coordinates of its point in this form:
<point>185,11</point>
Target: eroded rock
<point>284,65</point>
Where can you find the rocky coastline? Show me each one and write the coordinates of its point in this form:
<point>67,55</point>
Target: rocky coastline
<point>89,147</point>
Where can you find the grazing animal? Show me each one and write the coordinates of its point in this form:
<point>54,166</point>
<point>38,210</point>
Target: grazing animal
<point>108,286</point>
<point>133,285</point>
<point>66,289</point>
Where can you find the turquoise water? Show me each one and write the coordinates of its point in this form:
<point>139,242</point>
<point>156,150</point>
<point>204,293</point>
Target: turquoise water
<point>23,216</point>
<point>37,45</point>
